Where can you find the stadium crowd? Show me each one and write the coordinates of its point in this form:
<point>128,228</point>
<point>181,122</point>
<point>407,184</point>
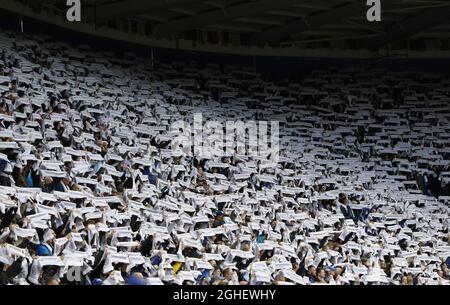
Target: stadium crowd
<point>93,192</point>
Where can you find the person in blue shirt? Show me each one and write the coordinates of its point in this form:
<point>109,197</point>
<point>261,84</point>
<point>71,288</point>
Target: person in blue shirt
<point>136,279</point>
<point>153,178</point>
<point>43,250</point>
<point>311,274</point>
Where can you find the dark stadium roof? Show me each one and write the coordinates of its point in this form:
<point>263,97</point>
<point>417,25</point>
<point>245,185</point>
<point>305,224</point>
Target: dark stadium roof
<point>276,23</point>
